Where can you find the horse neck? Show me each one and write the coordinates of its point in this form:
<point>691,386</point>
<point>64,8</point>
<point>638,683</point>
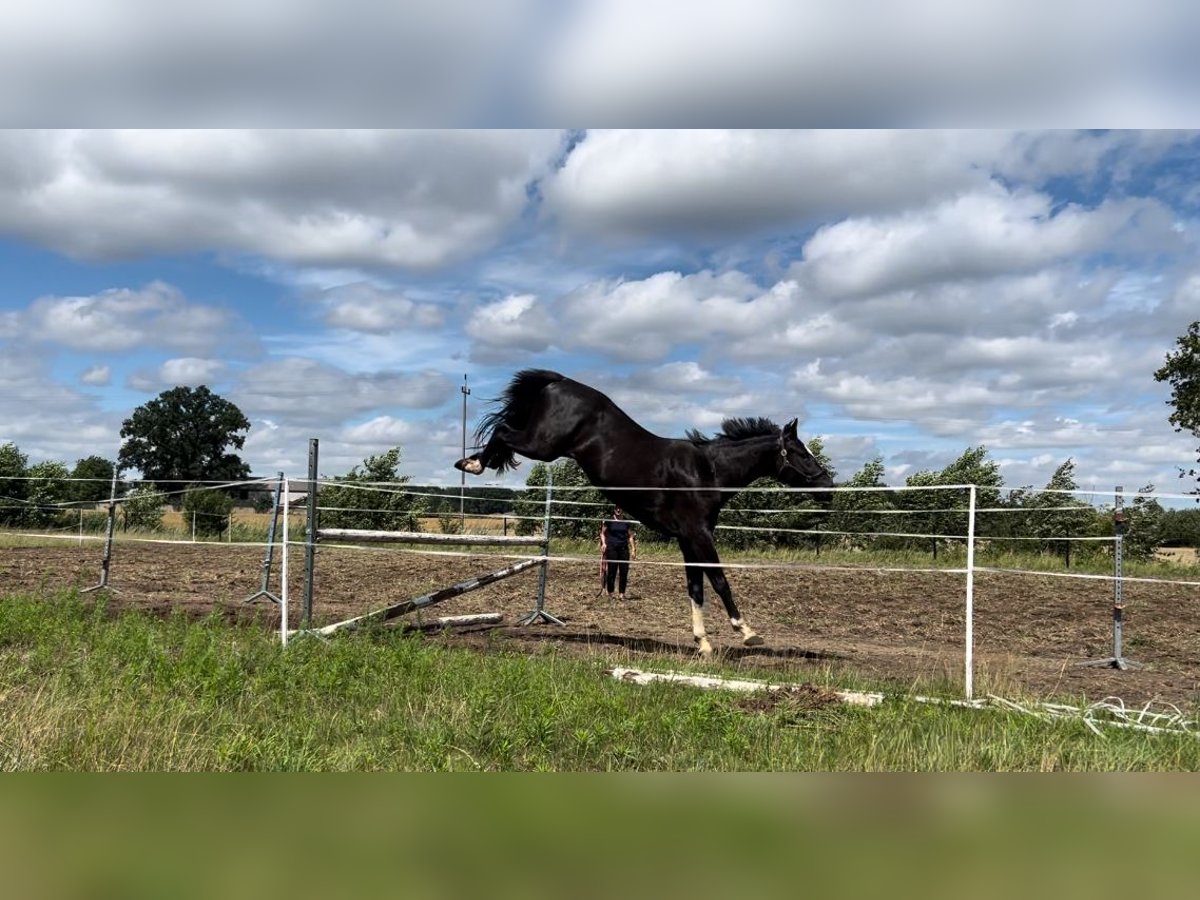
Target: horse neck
<point>737,463</point>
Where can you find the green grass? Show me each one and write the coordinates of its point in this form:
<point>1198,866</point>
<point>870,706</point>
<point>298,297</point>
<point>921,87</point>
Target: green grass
<point>82,690</point>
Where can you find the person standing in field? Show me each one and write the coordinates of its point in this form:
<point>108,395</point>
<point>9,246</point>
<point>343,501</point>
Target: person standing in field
<point>618,545</point>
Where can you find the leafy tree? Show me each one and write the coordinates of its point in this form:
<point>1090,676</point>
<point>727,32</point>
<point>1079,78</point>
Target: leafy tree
<point>1049,514</point>
<point>13,487</point>
<point>576,507</point>
<point>857,513</point>
<point>91,480</point>
<point>209,509</point>
<point>350,503</point>
<point>936,511</point>
<point>184,435</point>
<point>1181,528</point>
<point>1182,370</point>
<point>48,489</point>
<point>142,508</point>
<point>1144,519</point>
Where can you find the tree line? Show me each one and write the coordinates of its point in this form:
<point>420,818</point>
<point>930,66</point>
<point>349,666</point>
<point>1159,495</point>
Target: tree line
<point>186,439</point>
<point>766,517</point>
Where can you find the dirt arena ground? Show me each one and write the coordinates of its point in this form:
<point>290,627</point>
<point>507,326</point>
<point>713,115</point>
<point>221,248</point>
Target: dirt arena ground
<point>894,628</point>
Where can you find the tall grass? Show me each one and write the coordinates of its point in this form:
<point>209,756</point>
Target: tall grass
<point>83,690</point>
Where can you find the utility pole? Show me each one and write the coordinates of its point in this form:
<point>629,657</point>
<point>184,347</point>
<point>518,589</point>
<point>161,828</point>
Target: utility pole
<point>466,392</point>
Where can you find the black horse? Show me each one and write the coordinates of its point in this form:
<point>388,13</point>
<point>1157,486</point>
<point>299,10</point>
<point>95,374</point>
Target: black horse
<point>668,484</point>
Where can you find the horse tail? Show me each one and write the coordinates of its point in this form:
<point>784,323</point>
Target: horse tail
<point>516,407</point>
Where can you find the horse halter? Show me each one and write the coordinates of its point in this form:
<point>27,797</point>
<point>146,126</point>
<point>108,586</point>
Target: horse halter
<point>787,462</point>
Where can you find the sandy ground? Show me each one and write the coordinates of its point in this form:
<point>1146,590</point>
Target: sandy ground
<point>898,628</point>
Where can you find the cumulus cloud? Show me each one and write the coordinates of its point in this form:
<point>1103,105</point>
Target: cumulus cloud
<point>509,328</point>
<point>757,62</point>
<point>122,319</point>
<point>189,371</point>
<point>414,199</point>
<point>367,308</point>
<point>688,377</point>
<point>644,320</point>
<point>97,376</point>
<point>270,63</point>
<point>718,183</point>
<point>310,392</point>
<point>976,235</point>
<point>45,418</point>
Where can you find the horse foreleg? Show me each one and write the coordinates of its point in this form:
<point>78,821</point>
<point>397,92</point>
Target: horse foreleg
<point>708,553</point>
<point>695,584</point>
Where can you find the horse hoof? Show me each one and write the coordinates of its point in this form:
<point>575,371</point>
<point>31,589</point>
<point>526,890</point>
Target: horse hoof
<point>753,641</point>
<point>470,465</point>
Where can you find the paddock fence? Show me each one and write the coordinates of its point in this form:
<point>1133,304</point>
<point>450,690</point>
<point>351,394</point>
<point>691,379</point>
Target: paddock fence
<point>1076,582</point>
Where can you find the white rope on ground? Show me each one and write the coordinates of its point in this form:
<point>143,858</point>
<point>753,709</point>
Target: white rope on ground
<point>1110,712</point>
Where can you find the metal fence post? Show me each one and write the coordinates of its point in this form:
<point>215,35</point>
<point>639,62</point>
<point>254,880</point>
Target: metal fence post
<point>1117,660</point>
<point>539,614</point>
<point>283,573</point>
<point>269,555</point>
<point>310,536</point>
<point>969,654</point>
<point>106,562</point>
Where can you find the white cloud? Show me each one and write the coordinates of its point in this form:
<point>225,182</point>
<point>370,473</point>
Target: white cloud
<point>98,376</point>
<point>121,319</point>
<point>191,371</point>
<point>415,199</point>
<point>505,329</point>
<point>727,182</point>
<point>312,394</point>
<point>272,62</point>
<point>643,320</point>
<point>975,235</point>
<point>751,62</point>
<point>367,308</point>
<point>687,377</point>
<point>47,419</point>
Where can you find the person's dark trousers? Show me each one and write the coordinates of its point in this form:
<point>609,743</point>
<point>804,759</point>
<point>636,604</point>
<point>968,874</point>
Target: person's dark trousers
<point>618,565</point>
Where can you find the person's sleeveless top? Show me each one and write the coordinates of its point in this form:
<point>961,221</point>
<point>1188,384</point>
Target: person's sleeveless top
<point>618,534</point>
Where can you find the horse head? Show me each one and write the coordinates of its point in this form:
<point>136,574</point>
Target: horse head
<point>796,467</point>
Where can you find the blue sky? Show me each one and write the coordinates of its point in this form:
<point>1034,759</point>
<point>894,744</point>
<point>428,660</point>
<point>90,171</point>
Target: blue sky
<point>905,293</point>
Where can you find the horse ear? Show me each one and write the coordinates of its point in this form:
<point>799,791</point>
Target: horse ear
<point>789,430</point>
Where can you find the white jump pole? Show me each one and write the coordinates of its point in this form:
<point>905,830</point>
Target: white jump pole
<point>969,655</point>
<point>283,593</point>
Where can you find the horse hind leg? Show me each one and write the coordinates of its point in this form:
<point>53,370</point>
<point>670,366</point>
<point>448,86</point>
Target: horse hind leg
<point>496,454</point>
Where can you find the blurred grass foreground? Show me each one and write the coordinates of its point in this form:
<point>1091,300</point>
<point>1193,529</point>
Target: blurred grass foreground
<point>82,689</point>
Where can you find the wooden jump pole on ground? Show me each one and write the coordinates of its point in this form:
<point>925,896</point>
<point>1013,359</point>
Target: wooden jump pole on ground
<point>407,606</point>
<point>314,533</point>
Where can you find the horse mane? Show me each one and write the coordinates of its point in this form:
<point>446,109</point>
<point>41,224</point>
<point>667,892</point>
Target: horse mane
<point>739,429</point>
